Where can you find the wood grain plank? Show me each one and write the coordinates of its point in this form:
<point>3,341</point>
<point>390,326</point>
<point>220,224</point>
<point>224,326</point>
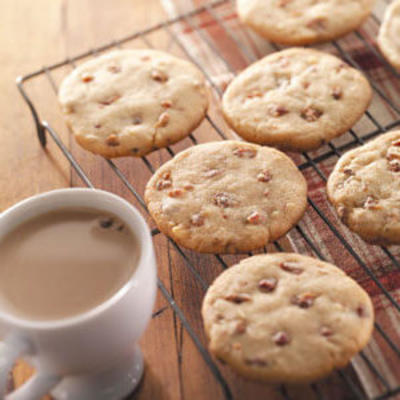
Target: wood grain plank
<point>25,169</point>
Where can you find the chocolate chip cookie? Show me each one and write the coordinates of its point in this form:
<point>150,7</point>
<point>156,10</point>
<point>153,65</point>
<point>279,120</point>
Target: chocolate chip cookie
<point>299,22</point>
<point>389,33</point>
<point>286,318</point>
<point>131,102</point>
<point>296,99</point>
<point>364,187</point>
<point>226,197</point>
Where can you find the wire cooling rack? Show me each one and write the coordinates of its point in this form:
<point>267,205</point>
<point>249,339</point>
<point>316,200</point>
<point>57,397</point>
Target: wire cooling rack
<point>216,12</point>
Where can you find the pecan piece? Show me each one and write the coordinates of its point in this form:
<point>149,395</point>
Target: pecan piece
<point>87,78</point>
<point>305,300</point>
<point>396,143</point>
<point>110,100</point>
<point>337,93</point>
<point>277,111</point>
<point>197,220</point>
<point>361,312</point>
<point>348,171</point>
<point>240,328</point>
<point>281,338</point>
<point>175,193</point>
<point>166,104</point>
<point>268,285</point>
<point>291,267</point>
<point>112,140</point>
<point>159,76</point>
<point>223,200</point>
<point>137,120</point>
<point>311,114</point>
<point>255,218</point>
<point>245,153</point>
<point>394,166</point>
<point>237,298</point>
<point>253,94</point>
<point>326,331</point>
<point>264,176</point>
<point>219,318</point>
<point>164,182</point>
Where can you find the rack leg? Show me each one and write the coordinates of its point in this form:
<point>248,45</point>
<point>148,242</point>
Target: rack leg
<point>40,129</point>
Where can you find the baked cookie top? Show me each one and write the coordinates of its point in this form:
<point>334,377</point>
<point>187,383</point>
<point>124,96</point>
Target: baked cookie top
<point>296,99</point>
<point>286,318</point>
<point>300,22</point>
<point>364,187</point>
<point>131,102</point>
<point>226,197</point>
<point>389,34</point>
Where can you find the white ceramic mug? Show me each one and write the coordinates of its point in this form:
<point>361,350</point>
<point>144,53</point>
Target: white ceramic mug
<point>93,355</point>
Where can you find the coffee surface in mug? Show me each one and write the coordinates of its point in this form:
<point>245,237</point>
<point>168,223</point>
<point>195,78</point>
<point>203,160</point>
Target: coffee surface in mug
<point>65,262</point>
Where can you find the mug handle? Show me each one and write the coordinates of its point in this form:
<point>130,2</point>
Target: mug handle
<point>39,385</point>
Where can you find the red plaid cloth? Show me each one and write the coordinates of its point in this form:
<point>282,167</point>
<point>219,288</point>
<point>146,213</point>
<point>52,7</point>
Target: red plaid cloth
<point>239,47</point>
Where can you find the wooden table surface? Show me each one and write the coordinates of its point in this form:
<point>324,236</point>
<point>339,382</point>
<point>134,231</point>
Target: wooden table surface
<point>34,33</point>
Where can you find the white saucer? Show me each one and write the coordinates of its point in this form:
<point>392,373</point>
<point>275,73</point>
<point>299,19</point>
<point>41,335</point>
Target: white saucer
<point>116,384</point>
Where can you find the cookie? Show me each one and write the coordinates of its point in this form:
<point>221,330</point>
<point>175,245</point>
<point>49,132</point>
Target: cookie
<point>131,102</point>
<point>300,22</point>
<point>286,318</point>
<point>296,99</point>
<point>226,197</point>
<point>364,187</point>
<point>389,33</point>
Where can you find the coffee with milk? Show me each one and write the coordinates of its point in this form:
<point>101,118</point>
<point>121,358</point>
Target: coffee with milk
<point>63,263</point>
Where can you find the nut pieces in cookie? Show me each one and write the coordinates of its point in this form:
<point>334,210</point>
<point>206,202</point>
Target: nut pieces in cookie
<point>133,102</point>
<point>241,197</point>
<point>304,99</point>
<point>296,331</point>
<point>300,22</point>
<point>366,195</point>
<point>388,34</point>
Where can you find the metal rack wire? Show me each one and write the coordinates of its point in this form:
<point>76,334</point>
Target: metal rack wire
<point>309,162</point>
